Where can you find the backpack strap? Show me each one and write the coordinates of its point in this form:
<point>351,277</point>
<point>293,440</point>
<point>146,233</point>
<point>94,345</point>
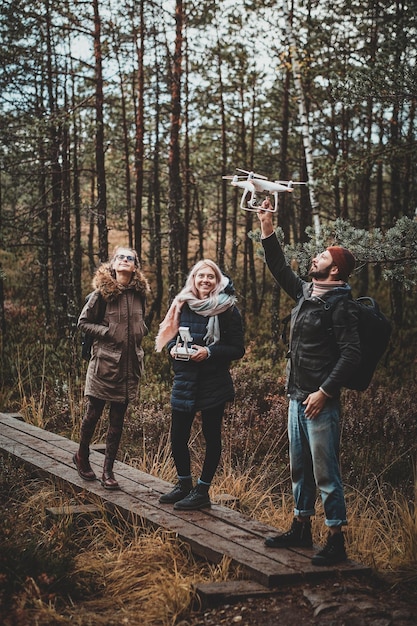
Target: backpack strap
<point>101,306</point>
<point>328,308</point>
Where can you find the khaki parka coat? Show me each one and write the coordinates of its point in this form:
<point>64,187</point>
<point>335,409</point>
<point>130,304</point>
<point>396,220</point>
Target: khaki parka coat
<point>116,363</point>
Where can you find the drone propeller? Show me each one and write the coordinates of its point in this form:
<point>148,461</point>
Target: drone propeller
<point>235,177</point>
<point>253,173</point>
<point>290,183</point>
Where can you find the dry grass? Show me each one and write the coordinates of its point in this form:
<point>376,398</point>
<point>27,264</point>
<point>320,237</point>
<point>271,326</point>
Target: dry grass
<point>33,404</point>
<point>107,572</point>
<point>149,575</point>
<point>104,571</point>
<point>383,531</point>
<point>110,572</point>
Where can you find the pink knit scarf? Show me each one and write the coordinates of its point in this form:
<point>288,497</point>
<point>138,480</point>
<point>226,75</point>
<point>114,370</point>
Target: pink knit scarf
<point>209,307</point>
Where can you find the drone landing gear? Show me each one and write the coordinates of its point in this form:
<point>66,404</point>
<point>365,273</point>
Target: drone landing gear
<point>255,204</point>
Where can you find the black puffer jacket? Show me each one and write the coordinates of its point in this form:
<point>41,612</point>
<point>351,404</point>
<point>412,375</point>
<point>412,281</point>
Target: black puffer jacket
<point>208,383</point>
<point>315,358</point>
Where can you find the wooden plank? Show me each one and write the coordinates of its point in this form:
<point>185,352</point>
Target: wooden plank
<point>32,436</point>
<point>208,538</point>
<point>274,555</point>
<point>86,511</point>
<point>225,499</point>
<point>211,533</point>
<point>281,564</point>
<point>21,426</point>
<point>214,594</point>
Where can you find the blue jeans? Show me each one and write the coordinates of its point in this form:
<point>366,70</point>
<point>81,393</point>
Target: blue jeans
<point>314,461</point>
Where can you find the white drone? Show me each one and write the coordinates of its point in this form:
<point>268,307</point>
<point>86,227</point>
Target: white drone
<point>254,184</point>
<point>182,352</point>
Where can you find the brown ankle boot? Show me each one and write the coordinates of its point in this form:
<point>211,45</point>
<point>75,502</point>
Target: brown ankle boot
<point>93,412</point>
<point>83,466</point>
<point>108,480</point>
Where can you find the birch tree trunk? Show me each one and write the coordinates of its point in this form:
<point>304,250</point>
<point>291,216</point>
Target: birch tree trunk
<point>302,110</point>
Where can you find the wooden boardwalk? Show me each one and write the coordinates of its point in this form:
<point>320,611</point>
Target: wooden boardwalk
<point>211,533</point>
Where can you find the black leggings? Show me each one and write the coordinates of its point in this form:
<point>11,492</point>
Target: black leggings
<point>212,431</point>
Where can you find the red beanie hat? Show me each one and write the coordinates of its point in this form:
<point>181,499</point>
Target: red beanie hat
<point>344,260</point>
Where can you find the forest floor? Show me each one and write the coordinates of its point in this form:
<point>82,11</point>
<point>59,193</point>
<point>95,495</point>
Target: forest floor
<point>364,601</point>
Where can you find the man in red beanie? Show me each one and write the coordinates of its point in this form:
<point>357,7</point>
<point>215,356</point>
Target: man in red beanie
<point>343,260</point>
<point>319,363</point>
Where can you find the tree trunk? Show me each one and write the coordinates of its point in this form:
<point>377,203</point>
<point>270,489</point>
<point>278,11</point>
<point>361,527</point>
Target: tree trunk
<point>2,309</point>
<point>176,271</point>
<point>126,151</point>
<point>140,132</point>
<point>155,193</point>
<point>303,114</point>
<point>223,204</point>
<point>284,200</point>
<point>68,286</point>
<point>101,206</point>
<point>43,251</point>
<point>55,138</point>
<point>77,247</point>
<point>187,170</point>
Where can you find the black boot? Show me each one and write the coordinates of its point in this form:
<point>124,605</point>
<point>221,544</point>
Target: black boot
<point>180,491</point>
<point>333,552</point>
<point>299,536</point>
<point>108,480</point>
<point>198,498</point>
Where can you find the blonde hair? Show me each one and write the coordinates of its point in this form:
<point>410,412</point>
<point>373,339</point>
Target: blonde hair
<point>189,286</point>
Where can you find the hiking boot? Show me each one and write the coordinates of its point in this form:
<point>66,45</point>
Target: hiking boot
<point>108,480</point>
<point>198,498</point>
<point>299,536</point>
<point>333,552</point>
<point>180,491</point>
<point>83,467</point>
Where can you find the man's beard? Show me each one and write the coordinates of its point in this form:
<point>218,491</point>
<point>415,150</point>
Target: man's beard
<point>320,274</point>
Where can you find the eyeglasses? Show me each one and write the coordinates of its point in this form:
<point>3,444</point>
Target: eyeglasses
<point>128,257</point>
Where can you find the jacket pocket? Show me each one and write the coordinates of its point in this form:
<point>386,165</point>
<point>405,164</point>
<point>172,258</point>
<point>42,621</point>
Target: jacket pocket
<point>312,372</point>
<point>108,365</point>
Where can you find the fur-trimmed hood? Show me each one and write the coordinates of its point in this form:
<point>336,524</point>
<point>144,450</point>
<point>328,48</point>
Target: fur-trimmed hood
<point>110,289</point>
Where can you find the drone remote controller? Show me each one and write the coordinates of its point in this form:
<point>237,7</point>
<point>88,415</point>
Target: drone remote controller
<point>182,352</point>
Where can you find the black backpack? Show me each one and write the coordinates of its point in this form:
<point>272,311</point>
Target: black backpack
<point>374,333</point>
<point>86,338</point>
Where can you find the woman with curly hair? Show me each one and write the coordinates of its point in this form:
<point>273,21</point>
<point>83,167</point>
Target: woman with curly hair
<point>116,363</point>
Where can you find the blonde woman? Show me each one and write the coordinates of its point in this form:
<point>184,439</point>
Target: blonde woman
<point>206,306</point>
